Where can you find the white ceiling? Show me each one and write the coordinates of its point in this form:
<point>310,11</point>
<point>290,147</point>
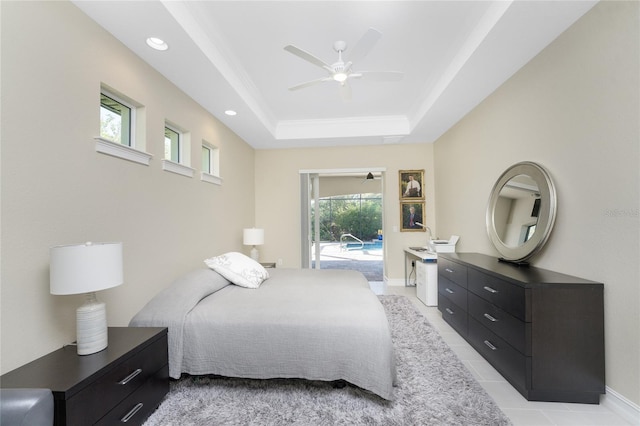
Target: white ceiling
<point>230,55</point>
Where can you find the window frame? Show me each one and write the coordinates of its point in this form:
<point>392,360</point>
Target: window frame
<point>213,174</point>
<point>131,119</point>
<point>135,150</point>
<point>208,155</point>
<point>184,154</point>
<point>180,141</point>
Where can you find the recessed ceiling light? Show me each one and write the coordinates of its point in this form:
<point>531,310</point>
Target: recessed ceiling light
<point>157,43</point>
<point>230,112</point>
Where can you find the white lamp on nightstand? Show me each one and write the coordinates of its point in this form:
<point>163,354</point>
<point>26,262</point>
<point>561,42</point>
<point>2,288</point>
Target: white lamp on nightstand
<point>253,237</point>
<point>87,268</point>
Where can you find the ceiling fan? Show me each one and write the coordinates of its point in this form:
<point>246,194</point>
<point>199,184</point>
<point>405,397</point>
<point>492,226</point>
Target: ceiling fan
<point>341,70</point>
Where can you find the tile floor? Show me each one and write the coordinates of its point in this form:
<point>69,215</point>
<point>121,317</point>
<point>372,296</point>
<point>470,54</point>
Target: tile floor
<point>520,411</point>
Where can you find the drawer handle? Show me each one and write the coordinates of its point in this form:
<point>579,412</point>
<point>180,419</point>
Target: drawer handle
<point>490,290</point>
<point>449,311</point>
<point>490,318</point>
<point>130,377</point>
<point>132,413</point>
<point>448,290</point>
<point>488,343</point>
<point>449,270</point>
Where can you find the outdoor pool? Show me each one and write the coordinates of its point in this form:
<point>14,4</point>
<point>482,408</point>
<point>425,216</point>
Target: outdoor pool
<point>369,245</point>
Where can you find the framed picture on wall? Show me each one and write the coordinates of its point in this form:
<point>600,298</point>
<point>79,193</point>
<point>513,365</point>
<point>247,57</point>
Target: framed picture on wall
<point>411,184</point>
<point>412,214</point>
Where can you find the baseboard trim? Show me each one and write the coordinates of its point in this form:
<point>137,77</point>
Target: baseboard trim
<point>620,405</point>
<point>395,282</point>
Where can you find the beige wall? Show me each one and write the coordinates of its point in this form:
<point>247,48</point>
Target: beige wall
<point>56,189</point>
<point>278,195</point>
<point>575,110</point>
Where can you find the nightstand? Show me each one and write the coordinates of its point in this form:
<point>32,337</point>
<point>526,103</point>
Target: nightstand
<point>124,382</point>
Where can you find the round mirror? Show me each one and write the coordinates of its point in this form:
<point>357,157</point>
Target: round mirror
<point>521,211</point>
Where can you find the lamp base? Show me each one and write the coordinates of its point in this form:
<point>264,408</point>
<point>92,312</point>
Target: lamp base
<point>91,326</point>
<point>254,254</point>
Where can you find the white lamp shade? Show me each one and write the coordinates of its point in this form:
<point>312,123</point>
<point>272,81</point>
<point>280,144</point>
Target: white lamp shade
<point>253,237</point>
<point>85,268</point>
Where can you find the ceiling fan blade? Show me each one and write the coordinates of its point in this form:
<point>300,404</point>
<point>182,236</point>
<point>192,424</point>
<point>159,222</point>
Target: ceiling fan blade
<point>364,45</point>
<point>310,83</point>
<point>345,92</point>
<point>379,75</point>
<point>307,57</point>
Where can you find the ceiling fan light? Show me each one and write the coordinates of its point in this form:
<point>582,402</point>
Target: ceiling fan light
<point>340,77</point>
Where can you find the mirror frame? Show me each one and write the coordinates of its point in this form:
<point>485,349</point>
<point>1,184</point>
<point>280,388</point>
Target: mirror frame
<point>546,217</point>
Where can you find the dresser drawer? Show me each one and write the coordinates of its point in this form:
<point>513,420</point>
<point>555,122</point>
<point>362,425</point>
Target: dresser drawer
<point>508,297</point>
<point>452,271</point>
<point>514,331</point>
<point>106,392</point>
<point>135,408</point>
<point>453,292</point>
<point>453,314</point>
<point>509,362</point>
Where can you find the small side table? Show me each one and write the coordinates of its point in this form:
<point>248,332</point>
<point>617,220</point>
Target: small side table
<point>124,382</point>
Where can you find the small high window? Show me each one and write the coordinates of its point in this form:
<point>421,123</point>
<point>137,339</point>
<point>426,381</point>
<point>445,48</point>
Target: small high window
<point>120,135</point>
<point>210,163</point>
<point>172,144</point>
<point>210,160</point>
<point>117,118</point>
<point>206,159</point>
<point>177,152</point>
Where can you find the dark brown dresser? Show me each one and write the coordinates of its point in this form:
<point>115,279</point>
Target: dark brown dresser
<point>122,384</point>
<point>542,330</point>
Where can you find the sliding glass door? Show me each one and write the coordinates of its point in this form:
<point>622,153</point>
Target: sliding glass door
<point>340,208</point>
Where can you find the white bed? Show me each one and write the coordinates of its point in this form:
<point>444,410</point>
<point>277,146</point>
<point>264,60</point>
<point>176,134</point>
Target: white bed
<point>299,323</point>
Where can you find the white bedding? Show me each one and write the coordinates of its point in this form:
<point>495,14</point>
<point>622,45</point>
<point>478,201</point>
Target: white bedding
<point>300,323</point>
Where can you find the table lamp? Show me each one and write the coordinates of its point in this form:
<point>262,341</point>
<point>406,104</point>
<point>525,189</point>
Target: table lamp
<point>87,268</point>
<point>253,237</point>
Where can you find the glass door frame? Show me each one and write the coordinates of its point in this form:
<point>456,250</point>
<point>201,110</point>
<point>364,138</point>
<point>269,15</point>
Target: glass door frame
<point>310,192</point>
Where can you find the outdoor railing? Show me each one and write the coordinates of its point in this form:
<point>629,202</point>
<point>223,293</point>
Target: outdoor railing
<point>344,245</point>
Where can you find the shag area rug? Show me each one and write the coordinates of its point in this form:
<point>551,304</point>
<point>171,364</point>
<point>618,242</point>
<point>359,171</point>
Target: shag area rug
<point>434,388</point>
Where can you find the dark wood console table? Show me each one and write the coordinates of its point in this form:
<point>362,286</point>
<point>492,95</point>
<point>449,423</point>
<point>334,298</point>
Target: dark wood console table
<point>125,381</point>
<point>542,330</point>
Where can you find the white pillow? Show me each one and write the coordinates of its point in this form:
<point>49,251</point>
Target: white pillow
<point>239,269</point>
